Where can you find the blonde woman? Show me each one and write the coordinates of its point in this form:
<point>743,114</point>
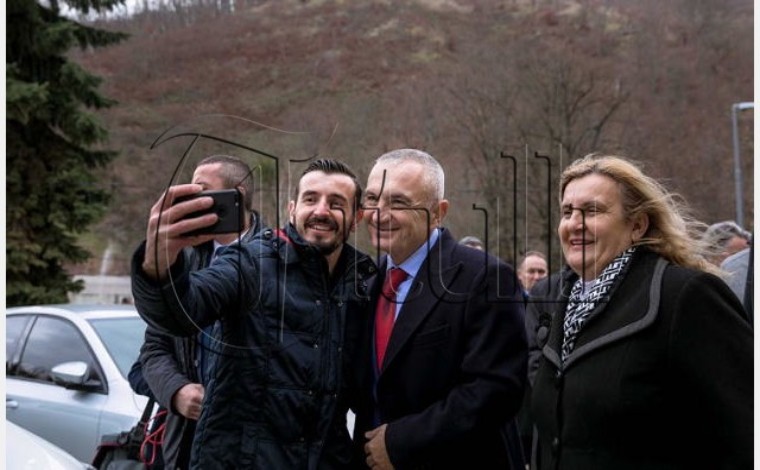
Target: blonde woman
<point>647,361</point>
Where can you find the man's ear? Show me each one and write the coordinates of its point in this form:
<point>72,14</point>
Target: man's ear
<point>357,219</point>
<point>640,226</point>
<point>440,214</point>
<point>291,211</point>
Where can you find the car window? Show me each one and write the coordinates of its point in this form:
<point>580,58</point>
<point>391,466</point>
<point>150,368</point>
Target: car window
<point>14,328</point>
<point>122,338</point>
<point>53,341</point>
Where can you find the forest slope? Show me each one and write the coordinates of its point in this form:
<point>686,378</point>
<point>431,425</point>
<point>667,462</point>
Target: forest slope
<point>465,80</point>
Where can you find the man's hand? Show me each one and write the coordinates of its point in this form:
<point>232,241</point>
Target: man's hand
<point>377,454</point>
<point>188,401</point>
<point>164,239</point>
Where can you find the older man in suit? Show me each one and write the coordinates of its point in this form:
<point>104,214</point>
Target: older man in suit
<point>445,351</point>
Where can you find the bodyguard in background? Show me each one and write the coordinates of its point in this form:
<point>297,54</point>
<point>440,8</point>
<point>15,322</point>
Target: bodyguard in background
<point>177,369</point>
<point>531,269</point>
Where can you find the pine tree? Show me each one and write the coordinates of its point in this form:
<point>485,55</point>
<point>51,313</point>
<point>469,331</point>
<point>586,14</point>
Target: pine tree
<point>53,145</point>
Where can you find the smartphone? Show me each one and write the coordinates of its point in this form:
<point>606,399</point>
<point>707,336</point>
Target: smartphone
<point>227,206</point>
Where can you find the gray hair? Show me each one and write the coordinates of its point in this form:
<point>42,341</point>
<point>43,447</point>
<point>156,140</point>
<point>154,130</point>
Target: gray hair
<point>433,172</point>
<point>719,234</point>
<point>472,241</point>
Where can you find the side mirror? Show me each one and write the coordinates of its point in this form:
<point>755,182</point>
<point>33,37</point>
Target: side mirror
<point>70,373</point>
<point>75,375</point>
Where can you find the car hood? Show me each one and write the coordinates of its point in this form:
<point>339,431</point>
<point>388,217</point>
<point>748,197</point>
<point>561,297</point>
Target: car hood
<point>31,452</point>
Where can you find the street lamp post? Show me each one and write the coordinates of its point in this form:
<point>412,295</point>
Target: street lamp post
<point>737,162</point>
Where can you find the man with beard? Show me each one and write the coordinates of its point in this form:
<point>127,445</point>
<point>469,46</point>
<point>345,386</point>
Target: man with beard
<point>290,303</point>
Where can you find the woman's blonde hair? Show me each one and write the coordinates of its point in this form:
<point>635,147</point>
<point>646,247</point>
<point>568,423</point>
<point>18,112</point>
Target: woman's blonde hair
<point>672,233</point>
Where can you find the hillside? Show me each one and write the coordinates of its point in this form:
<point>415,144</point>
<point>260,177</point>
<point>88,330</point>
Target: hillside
<point>462,79</point>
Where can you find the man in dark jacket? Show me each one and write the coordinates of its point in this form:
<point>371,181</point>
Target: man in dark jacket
<point>290,304</point>
<point>177,368</point>
<point>445,354</point>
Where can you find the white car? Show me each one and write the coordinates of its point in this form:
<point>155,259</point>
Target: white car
<point>26,450</point>
<point>66,372</point>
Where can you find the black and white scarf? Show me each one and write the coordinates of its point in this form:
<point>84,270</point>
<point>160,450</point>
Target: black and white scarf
<point>582,302</point>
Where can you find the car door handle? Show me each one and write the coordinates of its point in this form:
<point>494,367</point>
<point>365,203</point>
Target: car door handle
<point>12,404</point>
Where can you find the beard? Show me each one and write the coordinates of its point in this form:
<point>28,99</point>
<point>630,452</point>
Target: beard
<point>328,246</point>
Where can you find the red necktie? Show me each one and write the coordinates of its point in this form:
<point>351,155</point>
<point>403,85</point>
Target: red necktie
<point>385,312</point>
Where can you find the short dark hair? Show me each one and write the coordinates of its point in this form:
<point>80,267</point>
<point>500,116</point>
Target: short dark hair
<point>330,167</point>
<point>530,253</point>
<point>234,173</point>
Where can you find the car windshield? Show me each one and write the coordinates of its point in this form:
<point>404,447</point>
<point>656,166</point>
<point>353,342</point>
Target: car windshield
<point>122,337</point>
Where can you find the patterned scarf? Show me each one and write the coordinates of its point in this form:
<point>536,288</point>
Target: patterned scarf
<point>581,304</point>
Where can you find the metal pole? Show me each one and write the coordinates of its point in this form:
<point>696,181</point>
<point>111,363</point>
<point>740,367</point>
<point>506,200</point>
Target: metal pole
<point>737,161</point>
<point>737,169</point>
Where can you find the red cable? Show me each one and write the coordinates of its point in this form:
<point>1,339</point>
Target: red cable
<point>156,438</point>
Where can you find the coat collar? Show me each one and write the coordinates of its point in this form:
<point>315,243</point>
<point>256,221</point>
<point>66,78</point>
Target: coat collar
<point>292,249</point>
<point>631,308</point>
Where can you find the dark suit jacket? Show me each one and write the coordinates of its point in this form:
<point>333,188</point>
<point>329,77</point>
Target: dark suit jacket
<point>660,377</point>
<point>455,366</point>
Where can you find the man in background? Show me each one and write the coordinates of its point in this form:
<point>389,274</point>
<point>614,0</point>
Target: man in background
<point>472,242</point>
<point>177,369</point>
<point>740,277</point>
<point>723,239</point>
<point>532,268</point>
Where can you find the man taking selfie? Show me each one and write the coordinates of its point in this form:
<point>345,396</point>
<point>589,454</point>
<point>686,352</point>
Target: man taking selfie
<point>290,305</point>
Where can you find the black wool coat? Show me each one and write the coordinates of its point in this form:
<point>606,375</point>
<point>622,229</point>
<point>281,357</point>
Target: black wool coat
<point>454,371</point>
<point>660,377</point>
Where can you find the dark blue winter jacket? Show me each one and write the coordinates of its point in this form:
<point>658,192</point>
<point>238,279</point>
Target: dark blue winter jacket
<point>281,388</point>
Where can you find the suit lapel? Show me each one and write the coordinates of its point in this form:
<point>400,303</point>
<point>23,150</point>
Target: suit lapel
<point>429,287</point>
